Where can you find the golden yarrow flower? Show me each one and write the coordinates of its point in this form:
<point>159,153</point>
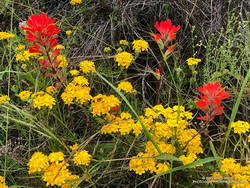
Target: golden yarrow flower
<point>2,184</point>
<point>87,66</point>
<point>74,2</point>
<point>5,35</point>
<point>82,158</point>
<point>38,162</point>
<point>63,61</point>
<point>20,47</point>
<point>80,80</point>
<point>240,127</point>
<point>193,61</point>
<point>74,147</point>
<point>56,157</point>
<point>140,45</point>
<point>56,174</point>
<point>74,72</point>
<point>4,99</point>
<point>125,86</point>
<point>124,59</point>
<point>42,99</point>
<point>102,104</point>
<point>26,55</point>
<point>51,89</point>
<point>24,95</point>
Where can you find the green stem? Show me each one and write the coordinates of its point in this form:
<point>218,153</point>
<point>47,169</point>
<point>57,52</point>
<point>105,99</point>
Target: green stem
<point>235,109</point>
<point>170,175</point>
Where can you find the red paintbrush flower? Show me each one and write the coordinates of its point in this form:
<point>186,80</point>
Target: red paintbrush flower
<point>166,29</point>
<point>210,101</point>
<point>42,32</point>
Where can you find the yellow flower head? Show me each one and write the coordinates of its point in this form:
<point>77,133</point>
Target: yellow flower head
<point>193,61</point>
<point>161,167</point>
<point>80,80</point>
<point>24,95</point>
<point>51,89</point>
<point>4,99</point>
<point>125,86</point>
<point>82,158</point>
<point>87,66</point>
<point>68,32</point>
<point>56,157</point>
<point>248,138</point>
<point>140,45</point>
<point>63,61</point>
<point>1,179</point>
<point>20,47</point>
<point>74,2</point>
<point>123,42</point>
<point>124,59</point>
<point>42,99</point>
<point>74,72</point>
<point>56,174</point>
<point>5,35</point>
<point>240,127</point>
<point>72,182</point>
<point>76,90</point>
<point>102,104</point>
<point>26,55</point>
<point>74,147</point>
<point>38,162</point>
<point>2,184</point>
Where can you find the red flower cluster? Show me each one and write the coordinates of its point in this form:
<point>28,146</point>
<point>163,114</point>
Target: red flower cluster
<point>42,32</point>
<point>210,101</point>
<point>166,29</point>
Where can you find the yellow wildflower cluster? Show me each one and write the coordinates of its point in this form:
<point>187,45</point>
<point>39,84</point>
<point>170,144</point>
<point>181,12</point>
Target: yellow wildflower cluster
<point>2,184</point>
<point>125,86</point>
<point>239,175</point>
<point>41,99</point>
<point>144,162</point>
<point>82,158</point>
<point>24,95</point>
<point>74,72</point>
<point>123,42</point>
<point>122,124</point>
<point>102,104</point>
<point>166,125</point>
<point>77,91</point>
<point>54,167</point>
<point>4,99</point>
<point>5,35</point>
<point>124,59</point>
<point>240,127</point>
<point>20,47</point>
<point>74,2</point>
<point>63,61</point>
<point>25,55</point>
<point>193,61</point>
<point>140,45</point>
<point>87,66</point>
<point>51,90</point>
<point>74,147</point>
